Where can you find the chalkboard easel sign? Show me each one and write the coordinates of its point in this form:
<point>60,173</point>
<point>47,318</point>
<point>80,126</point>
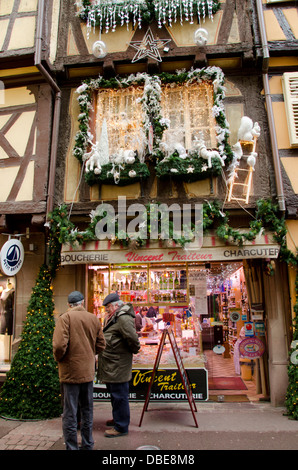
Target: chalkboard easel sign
<point>169,332</point>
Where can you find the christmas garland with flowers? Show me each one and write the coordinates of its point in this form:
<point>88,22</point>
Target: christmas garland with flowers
<point>62,230</point>
<point>108,14</point>
<point>198,163</point>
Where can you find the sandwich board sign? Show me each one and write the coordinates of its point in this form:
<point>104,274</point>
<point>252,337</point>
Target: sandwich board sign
<point>168,332</point>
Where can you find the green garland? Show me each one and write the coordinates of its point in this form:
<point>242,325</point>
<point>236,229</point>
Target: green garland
<point>62,230</point>
<point>129,175</point>
<point>188,169</point>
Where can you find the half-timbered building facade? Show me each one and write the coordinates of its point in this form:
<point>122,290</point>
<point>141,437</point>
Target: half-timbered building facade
<point>153,102</point>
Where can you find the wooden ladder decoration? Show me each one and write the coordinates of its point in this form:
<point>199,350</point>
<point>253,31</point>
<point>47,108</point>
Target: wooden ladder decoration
<point>168,332</point>
<point>242,177</point>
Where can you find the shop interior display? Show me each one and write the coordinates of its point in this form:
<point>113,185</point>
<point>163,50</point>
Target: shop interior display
<point>206,305</point>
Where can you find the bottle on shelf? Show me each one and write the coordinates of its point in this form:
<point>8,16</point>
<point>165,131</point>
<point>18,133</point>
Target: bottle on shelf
<point>170,281</point>
<point>176,281</point>
<point>165,282</point>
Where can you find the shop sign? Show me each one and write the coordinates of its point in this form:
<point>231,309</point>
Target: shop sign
<point>234,315</point>
<point>12,257</point>
<point>251,348</point>
<point>167,385</point>
<point>90,254</point>
<point>260,328</point>
<point>249,328</point>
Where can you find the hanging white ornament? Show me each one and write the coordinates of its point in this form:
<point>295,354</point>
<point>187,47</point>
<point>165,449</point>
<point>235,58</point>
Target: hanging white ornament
<point>201,37</point>
<point>99,49</point>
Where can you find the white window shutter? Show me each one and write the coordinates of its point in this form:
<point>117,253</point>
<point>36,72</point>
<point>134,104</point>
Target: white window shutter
<point>278,1</point>
<point>290,89</point>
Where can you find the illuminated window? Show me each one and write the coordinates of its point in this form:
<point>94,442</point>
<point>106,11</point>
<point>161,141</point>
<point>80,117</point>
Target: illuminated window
<point>124,117</point>
<point>189,109</point>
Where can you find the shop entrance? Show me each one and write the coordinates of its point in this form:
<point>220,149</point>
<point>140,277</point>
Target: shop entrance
<point>220,331</point>
<point>233,335</point>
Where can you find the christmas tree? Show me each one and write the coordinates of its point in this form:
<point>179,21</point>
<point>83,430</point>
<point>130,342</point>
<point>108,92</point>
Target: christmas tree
<point>292,391</point>
<point>32,389</point>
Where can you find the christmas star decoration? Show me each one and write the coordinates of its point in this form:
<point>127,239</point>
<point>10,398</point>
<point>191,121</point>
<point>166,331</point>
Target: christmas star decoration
<point>148,47</point>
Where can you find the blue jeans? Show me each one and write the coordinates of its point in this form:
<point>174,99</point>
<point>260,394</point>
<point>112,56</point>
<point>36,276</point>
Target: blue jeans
<point>120,405</point>
<point>78,396</point>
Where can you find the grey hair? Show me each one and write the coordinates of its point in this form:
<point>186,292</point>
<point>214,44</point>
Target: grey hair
<point>118,302</point>
<point>76,304</point>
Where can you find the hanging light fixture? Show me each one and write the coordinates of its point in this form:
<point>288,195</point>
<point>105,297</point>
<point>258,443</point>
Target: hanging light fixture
<point>99,49</point>
<point>201,37</point>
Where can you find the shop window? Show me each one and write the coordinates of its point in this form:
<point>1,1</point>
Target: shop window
<point>189,110</point>
<point>290,89</point>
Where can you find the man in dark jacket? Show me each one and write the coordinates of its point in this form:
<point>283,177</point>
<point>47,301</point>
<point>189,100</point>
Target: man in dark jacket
<point>77,338</point>
<point>115,362</point>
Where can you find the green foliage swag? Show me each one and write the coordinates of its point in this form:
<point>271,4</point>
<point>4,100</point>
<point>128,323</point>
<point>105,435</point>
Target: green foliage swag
<point>32,389</point>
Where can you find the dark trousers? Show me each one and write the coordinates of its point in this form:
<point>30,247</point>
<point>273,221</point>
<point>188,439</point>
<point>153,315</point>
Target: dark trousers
<point>120,405</point>
<point>75,396</point>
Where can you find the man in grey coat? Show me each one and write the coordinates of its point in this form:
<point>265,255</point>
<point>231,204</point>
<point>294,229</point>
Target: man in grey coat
<point>77,338</point>
<point>115,362</point>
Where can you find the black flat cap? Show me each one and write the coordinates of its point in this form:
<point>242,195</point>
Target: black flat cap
<point>75,297</point>
<point>111,298</point>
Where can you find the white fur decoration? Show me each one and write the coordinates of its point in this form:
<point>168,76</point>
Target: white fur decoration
<point>248,130</point>
<point>181,150</point>
<point>99,153</point>
<point>201,37</point>
<point>123,156</point>
<point>92,159</point>
<point>237,154</point>
<point>207,154</point>
<point>251,159</point>
<point>99,49</point>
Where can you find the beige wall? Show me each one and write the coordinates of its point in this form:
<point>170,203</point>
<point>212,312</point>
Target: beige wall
<point>17,136</point>
<point>23,33</point>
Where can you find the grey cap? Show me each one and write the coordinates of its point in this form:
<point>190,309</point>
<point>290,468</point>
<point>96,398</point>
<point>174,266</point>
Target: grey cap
<point>75,297</point>
<point>111,298</point>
